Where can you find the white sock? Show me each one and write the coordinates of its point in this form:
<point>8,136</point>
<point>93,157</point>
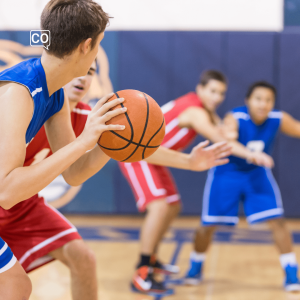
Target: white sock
<point>288,259</point>
<point>197,257</point>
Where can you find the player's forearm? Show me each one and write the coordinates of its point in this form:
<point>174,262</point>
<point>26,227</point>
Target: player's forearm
<point>239,149</point>
<point>169,158</point>
<point>86,166</point>
<point>24,182</point>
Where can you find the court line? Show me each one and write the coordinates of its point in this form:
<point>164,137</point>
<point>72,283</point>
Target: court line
<point>173,262</point>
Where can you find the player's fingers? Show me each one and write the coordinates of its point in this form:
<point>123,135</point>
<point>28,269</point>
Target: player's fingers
<point>113,127</point>
<point>224,148</point>
<point>223,154</point>
<point>220,162</point>
<point>202,145</point>
<point>108,105</point>
<point>102,101</point>
<point>110,114</point>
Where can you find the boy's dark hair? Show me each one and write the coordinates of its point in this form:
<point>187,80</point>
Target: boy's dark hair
<point>263,84</point>
<point>208,75</point>
<point>70,22</point>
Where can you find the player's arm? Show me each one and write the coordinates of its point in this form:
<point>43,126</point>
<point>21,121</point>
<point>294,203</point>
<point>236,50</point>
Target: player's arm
<point>231,133</point>
<point>201,157</point>
<point>198,119</point>
<point>290,126</point>
<point>60,133</point>
<point>18,183</point>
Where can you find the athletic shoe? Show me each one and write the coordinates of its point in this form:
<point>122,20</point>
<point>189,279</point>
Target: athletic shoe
<point>165,269</point>
<point>143,282</point>
<point>194,275</point>
<point>291,283</point>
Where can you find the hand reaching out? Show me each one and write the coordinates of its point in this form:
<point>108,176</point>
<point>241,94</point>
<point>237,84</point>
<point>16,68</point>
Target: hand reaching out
<point>203,158</point>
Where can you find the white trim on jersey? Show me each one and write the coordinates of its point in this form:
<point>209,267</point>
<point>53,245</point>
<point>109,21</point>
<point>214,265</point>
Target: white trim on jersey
<point>37,90</point>
<point>275,187</point>
<point>167,107</point>
<point>3,249</point>
<point>275,115</point>
<point>136,184</point>
<point>173,198</point>
<point>176,138</point>
<point>9,265</point>
<point>45,243</point>
<point>264,214</point>
<point>81,111</point>
<point>171,125</point>
<point>150,181</point>
<point>220,219</point>
<point>39,262</point>
<point>241,115</point>
<point>207,189</point>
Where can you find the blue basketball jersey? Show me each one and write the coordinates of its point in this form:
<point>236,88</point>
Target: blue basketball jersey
<point>254,137</point>
<point>31,74</point>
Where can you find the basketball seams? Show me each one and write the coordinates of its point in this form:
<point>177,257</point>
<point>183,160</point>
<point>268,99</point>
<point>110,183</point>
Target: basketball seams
<point>131,129</point>
<point>145,128</point>
<point>147,145</point>
<point>137,153</point>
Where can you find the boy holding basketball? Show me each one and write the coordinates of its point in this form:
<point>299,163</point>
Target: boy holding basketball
<point>255,126</point>
<point>30,96</point>
<point>152,184</point>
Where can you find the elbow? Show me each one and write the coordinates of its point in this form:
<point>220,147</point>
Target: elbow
<point>5,201</point>
<point>71,181</point>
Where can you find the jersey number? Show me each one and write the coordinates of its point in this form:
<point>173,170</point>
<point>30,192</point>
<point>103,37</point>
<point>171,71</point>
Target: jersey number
<point>256,146</point>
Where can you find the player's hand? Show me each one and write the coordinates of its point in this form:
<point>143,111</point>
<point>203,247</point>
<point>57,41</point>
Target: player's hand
<point>260,159</point>
<point>203,158</point>
<point>96,121</point>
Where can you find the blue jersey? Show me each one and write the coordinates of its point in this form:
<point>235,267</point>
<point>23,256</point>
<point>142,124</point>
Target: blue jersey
<point>31,74</point>
<point>254,137</point>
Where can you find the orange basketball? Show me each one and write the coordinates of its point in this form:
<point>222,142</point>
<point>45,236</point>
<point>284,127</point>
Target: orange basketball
<point>144,128</point>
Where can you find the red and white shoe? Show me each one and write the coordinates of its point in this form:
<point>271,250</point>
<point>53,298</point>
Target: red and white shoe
<point>143,282</point>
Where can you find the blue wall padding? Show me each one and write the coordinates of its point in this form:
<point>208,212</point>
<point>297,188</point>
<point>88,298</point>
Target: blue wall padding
<point>166,65</point>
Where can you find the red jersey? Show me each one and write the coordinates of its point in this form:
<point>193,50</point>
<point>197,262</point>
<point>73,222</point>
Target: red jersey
<point>177,138</point>
<point>39,148</point>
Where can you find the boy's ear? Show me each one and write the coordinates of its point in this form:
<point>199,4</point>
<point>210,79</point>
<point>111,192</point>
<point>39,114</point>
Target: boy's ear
<point>85,46</point>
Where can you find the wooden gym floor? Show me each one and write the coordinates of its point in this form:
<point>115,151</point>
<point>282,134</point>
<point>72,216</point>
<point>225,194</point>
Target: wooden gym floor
<point>242,264</point>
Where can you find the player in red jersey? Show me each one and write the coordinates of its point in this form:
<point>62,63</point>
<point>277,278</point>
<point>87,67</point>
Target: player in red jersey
<point>36,242</point>
<point>153,185</point>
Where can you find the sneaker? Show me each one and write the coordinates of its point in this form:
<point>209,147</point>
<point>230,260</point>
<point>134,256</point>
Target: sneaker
<point>143,282</point>
<point>291,283</point>
<point>194,275</point>
<point>165,269</point>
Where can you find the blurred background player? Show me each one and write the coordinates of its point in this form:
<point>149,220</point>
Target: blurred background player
<point>255,126</point>
<point>153,186</point>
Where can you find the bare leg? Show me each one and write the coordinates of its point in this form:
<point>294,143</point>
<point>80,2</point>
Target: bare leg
<point>15,284</point>
<point>203,238</point>
<point>281,236</point>
<point>159,215</point>
<point>82,264</point>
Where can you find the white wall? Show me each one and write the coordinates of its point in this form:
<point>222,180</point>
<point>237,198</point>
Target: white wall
<point>248,15</point>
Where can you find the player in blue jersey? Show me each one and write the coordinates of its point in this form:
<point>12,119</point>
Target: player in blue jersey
<point>31,95</point>
<point>255,126</point>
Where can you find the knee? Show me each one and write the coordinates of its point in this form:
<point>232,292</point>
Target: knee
<point>276,224</point>
<point>80,257</point>
<point>25,284</point>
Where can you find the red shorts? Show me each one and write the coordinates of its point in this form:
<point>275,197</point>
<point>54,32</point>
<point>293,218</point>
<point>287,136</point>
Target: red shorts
<point>32,229</point>
<point>149,183</point>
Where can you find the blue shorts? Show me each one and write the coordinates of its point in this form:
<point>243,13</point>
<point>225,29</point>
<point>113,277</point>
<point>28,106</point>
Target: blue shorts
<point>7,258</point>
<point>225,189</point>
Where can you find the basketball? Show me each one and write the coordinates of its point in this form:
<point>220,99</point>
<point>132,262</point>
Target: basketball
<point>144,128</point>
